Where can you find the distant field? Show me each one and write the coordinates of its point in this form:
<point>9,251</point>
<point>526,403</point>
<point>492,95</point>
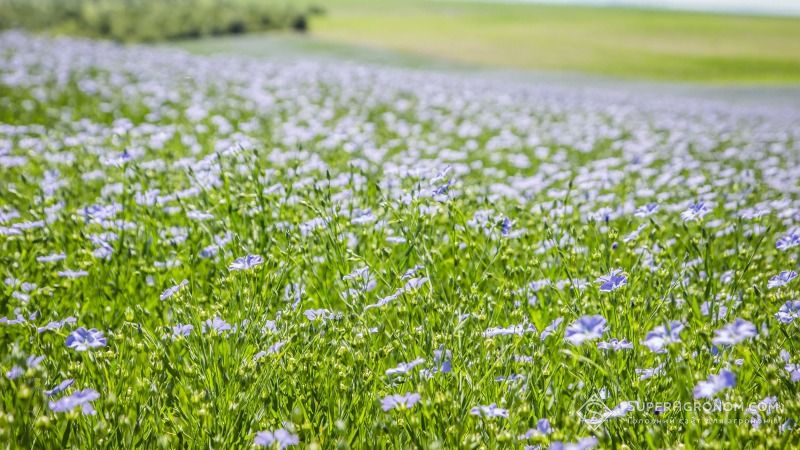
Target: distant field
<point>294,45</point>
<point>659,45</point>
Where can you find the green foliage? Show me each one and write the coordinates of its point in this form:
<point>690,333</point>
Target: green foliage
<point>151,20</point>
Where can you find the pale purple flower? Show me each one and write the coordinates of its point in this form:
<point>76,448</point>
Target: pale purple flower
<point>18,320</point>
<point>199,215</point>
<point>505,226</point>
<point>511,378</point>
<point>209,251</point>
<point>517,330</point>
<point>543,428</point>
<point>663,335</point>
<point>400,401</point>
<point>790,240</point>
<point>646,210</point>
<point>82,339</point>
<point>321,314</point>
<point>695,211</point>
<point>246,262</point>
<point>414,283</point>
<point>363,217</point>
<point>8,214</point>
<point>33,361</point>
<point>735,332</point>
<point>51,258</point>
<point>615,344</point>
<point>270,326</point>
<point>170,291</point>
<point>441,363</point>
<point>15,373</point>
<point>613,281</point>
<point>8,231</point>
<point>782,279</point>
<point>60,388</point>
<point>73,273</point>
<point>118,159</point>
<point>411,272</point>
<point>794,371</point>
<point>442,359</point>
<point>216,324</point>
<point>706,308</point>
<point>103,252</point>
<point>619,411</point>
<point>30,225</point>
<point>714,384</point>
<point>358,273</point>
<point>789,311</point>
<point>280,436</point>
<point>647,373</point>
<point>440,192</point>
<point>57,324</point>
<point>80,398</point>
<point>385,300</point>
<point>632,235</point>
<point>181,330</point>
<point>404,368</point>
<point>489,411</point>
<point>552,328</point>
<point>276,347</point>
<point>584,329</point>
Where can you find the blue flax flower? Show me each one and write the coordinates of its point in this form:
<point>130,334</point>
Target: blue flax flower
<point>714,384</point>
<point>782,279</point>
<point>400,401</point>
<point>280,436</point>
<point>735,332</point>
<point>82,339</point>
<point>80,399</point>
<point>246,262</point>
<point>585,329</point>
<point>613,281</point>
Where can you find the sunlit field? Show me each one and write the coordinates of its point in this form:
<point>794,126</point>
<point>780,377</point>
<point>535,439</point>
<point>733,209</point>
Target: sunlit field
<point>225,252</point>
<point>627,43</point>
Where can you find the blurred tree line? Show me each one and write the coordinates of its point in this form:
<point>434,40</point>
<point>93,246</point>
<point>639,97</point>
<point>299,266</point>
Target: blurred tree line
<point>153,20</point>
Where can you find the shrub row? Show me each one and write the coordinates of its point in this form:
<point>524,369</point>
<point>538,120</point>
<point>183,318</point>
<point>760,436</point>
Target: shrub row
<point>152,20</point>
